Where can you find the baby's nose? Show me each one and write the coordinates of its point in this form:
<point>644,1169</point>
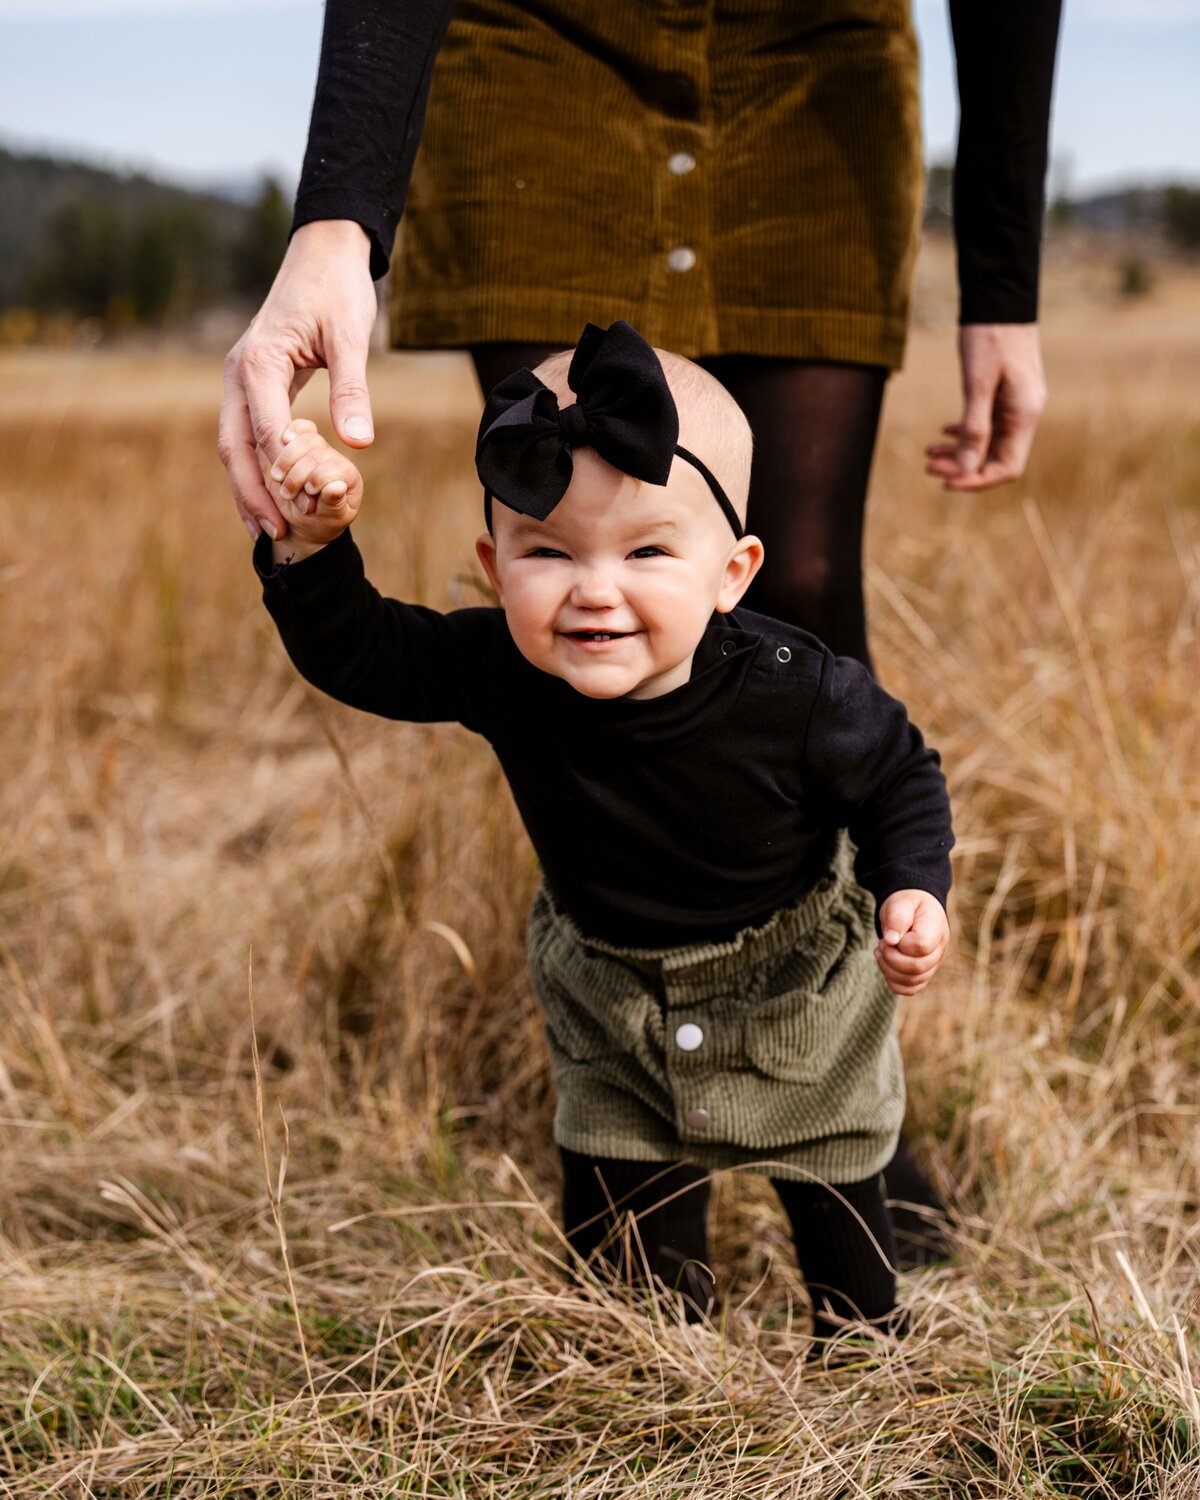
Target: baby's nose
<point>595,586</point>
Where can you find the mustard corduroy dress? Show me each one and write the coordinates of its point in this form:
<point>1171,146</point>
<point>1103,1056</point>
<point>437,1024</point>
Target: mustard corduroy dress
<point>731,176</point>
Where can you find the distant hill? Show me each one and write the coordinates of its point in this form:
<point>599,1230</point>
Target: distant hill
<point>78,237</point>
<point>1166,213</point>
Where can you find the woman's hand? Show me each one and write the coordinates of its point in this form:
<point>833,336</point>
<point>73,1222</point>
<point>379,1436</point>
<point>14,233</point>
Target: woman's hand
<point>1004,391</point>
<point>315,487</point>
<point>319,312</point>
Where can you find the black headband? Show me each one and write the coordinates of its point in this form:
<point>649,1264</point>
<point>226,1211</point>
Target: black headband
<point>624,410</point>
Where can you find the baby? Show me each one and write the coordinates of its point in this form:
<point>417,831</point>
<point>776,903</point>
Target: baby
<point>743,840</point>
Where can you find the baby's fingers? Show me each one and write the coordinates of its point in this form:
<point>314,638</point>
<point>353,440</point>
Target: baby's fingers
<point>894,962</point>
<point>332,469</point>
<point>299,476</point>
<point>301,445</point>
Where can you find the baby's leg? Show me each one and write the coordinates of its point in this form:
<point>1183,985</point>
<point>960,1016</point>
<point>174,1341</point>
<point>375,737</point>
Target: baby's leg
<point>846,1273</point>
<point>673,1235</point>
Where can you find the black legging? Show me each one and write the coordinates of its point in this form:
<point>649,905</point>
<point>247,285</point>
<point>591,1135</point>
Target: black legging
<point>814,425</point>
<point>847,1265</point>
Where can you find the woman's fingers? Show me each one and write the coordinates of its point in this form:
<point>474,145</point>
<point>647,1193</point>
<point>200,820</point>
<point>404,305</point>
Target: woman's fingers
<point>1004,392</point>
<point>237,450</point>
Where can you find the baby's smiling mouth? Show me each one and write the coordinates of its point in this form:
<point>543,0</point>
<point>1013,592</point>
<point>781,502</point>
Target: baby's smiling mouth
<point>597,635</point>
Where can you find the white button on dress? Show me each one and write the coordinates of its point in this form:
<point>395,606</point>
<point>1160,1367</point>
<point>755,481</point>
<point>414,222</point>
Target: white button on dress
<point>681,163</point>
<point>689,1036</point>
<point>697,1119</point>
<point>682,258</point>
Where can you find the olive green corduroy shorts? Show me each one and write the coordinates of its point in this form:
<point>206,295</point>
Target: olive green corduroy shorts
<point>775,1051</point>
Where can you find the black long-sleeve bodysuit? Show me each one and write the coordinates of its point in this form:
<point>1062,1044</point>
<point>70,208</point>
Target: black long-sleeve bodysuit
<point>657,822</point>
<point>377,61</point>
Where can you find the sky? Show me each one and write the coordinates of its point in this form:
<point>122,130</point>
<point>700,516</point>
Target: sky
<point>207,91</point>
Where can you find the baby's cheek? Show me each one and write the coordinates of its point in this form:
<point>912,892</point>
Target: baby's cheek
<point>529,627</point>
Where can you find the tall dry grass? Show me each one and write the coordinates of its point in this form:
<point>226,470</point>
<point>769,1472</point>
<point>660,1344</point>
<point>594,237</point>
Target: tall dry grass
<point>321,1256</point>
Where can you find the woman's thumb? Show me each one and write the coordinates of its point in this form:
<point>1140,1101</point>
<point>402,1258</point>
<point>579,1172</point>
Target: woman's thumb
<point>349,399</point>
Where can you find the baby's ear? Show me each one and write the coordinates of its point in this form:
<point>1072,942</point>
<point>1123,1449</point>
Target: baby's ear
<point>485,551</point>
<point>743,563</point>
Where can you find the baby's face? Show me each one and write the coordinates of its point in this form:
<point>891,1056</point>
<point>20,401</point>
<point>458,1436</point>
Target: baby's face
<point>613,590</point>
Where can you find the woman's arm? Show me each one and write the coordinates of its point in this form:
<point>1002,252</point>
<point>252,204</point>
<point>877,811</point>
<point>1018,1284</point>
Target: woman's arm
<point>377,60</point>
<point>373,81</point>
<point>1005,58</point>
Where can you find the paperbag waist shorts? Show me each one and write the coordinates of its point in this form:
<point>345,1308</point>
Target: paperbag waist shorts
<point>775,1051</point>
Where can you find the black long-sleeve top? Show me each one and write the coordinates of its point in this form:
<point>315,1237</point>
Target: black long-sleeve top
<point>373,82</point>
<point>657,822</point>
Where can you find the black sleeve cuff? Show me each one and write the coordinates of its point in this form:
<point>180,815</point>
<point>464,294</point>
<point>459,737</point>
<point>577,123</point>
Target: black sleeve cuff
<point>309,575</point>
<point>935,879</point>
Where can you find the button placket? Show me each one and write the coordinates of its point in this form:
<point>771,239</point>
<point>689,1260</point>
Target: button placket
<point>681,284</point>
<point>689,1036</point>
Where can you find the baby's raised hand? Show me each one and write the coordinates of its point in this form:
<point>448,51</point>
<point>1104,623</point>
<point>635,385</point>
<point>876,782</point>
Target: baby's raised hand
<point>916,935</point>
<point>318,490</point>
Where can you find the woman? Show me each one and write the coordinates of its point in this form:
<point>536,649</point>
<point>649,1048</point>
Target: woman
<point>742,181</point>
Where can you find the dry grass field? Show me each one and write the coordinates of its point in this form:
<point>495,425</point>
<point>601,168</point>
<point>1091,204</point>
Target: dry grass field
<point>318,1255</point>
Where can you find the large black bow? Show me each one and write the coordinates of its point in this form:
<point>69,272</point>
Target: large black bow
<point>624,410</point>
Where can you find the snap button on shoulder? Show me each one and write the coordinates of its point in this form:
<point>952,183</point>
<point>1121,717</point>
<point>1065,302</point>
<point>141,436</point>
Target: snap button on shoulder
<point>784,653</point>
<point>682,258</point>
<point>688,1037</point>
<point>681,163</point>
<point>728,648</point>
<point>697,1119</point>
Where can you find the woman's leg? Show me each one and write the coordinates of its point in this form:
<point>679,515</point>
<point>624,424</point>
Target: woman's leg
<point>494,361</point>
<point>601,1192</point>
<point>814,425</point>
<point>845,1251</point>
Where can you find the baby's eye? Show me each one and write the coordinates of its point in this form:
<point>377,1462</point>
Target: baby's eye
<point>648,552</point>
<point>544,552</point>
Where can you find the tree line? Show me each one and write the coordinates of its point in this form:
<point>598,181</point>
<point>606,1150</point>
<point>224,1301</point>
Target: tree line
<point>155,267</point>
<point>124,251</point>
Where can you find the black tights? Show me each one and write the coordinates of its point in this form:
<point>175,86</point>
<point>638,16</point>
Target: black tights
<point>814,425</point>
<point>848,1268</point>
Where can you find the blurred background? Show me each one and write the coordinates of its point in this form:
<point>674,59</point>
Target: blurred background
<point>277,1199</point>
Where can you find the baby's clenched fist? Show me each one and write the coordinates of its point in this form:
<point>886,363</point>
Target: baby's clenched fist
<point>916,935</point>
<point>318,490</point>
